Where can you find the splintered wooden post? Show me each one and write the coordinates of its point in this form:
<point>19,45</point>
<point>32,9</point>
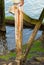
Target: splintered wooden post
<point>18,34</point>
<point>18,31</point>
<point>16,9</point>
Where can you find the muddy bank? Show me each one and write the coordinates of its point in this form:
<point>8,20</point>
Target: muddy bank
<point>9,22</point>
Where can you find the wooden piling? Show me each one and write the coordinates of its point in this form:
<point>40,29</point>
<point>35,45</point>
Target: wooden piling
<point>18,34</point>
<point>18,31</point>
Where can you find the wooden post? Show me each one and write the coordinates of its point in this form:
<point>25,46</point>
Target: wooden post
<point>18,31</point>
<point>18,34</point>
<point>31,39</point>
<point>17,11</point>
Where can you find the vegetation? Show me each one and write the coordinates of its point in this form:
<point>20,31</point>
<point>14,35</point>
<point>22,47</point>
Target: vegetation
<point>9,17</point>
<point>35,48</point>
<point>6,57</point>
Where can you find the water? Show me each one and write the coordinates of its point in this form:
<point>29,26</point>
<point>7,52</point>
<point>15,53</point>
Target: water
<point>10,36</point>
<point>32,8</point>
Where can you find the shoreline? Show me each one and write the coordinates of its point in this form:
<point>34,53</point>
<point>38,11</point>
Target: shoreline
<point>10,21</point>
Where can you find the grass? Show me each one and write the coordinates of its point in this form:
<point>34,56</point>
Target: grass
<point>36,47</point>
<point>9,17</point>
<point>6,57</point>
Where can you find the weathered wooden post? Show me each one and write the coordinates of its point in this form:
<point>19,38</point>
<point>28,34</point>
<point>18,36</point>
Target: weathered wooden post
<point>18,34</point>
<point>31,39</point>
<point>17,9</point>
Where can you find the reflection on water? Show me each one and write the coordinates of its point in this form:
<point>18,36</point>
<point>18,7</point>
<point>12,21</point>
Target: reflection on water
<point>10,36</point>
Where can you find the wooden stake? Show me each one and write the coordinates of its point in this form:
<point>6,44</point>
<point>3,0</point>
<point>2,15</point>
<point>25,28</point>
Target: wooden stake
<point>17,11</point>
<point>18,31</point>
<point>31,39</point>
